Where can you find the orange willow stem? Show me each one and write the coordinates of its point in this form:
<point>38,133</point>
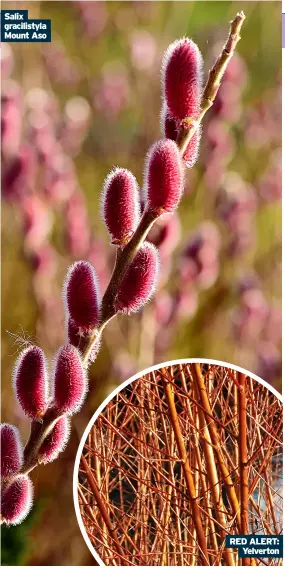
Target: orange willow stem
<point>243,465</point>
<point>199,381</point>
<point>197,462</point>
<point>243,459</point>
<point>264,471</point>
<point>101,506</point>
<point>185,463</point>
<point>85,503</point>
<point>212,475</point>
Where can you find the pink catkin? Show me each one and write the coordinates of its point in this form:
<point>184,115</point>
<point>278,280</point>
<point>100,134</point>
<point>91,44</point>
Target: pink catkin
<point>170,127</point>
<point>69,381</point>
<point>80,340</point>
<point>164,177</point>
<point>81,293</point>
<point>17,500</point>
<point>182,79</point>
<point>56,441</point>
<point>120,205</point>
<point>11,450</point>
<point>30,382</point>
<point>139,281</point>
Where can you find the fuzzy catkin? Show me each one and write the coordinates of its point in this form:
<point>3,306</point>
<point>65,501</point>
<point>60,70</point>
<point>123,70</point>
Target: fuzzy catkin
<point>11,450</point>
<point>30,382</point>
<point>164,177</point>
<point>139,282</point>
<point>70,384</point>
<point>56,441</point>
<point>17,500</point>
<point>182,70</point>
<point>81,294</point>
<point>120,205</point>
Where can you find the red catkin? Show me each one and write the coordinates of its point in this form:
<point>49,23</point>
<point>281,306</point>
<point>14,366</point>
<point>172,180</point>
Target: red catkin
<point>70,384</point>
<point>56,441</point>
<point>164,177</point>
<point>182,79</point>
<point>120,205</point>
<point>11,450</point>
<point>30,382</point>
<point>139,281</point>
<point>77,338</point>
<point>17,500</point>
<point>81,293</point>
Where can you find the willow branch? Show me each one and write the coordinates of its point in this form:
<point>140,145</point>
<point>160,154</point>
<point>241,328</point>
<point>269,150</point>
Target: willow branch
<point>186,131</point>
<point>189,126</point>
<point>128,253</point>
<point>39,432</point>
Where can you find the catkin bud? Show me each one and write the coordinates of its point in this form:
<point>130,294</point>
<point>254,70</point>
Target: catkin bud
<point>182,79</point>
<point>70,384</point>
<point>81,293</point>
<point>56,441</point>
<point>30,382</point>
<point>120,205</point>
<point>11,450</point>
<point>17,500</point>
<point>139,281</point>
<point>80,340</point>
<point>164,177</point>
<point>170,127</point>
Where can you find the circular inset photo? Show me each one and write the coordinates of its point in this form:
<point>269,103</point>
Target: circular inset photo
<point>178,460</point>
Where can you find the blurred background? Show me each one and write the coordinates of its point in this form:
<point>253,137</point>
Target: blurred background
<point>91,100</point>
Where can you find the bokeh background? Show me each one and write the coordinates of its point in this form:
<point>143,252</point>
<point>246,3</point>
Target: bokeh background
<point>73,109</point>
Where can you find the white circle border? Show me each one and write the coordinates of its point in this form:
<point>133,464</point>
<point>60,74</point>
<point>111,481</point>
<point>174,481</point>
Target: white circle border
<point>108,399</point>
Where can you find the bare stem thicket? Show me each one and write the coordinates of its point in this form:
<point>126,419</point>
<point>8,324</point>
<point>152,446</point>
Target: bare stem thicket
<point>181,458</point>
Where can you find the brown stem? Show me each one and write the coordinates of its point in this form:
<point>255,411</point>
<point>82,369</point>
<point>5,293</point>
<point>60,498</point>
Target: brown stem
<point>265,473</point>
<point>101,506</point>
<point>196,457</point>
<point>198,379</point>
<point>185,465</point>
<point>212,475</point>
<point>219,67</point>
<point>243,464</point>
<point>122,263</point>
<point>189,126</point>
<point>85,503</point>
<point>39,431</point>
